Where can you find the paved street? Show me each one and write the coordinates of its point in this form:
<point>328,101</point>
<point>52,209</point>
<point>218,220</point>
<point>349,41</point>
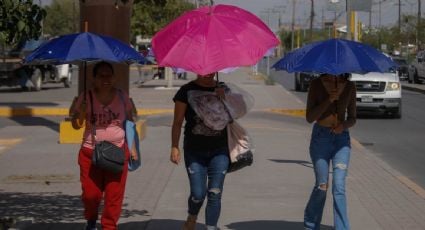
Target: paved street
<point>39,178</point>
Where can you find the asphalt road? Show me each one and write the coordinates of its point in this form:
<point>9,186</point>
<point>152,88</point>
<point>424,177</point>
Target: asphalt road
<point>399,142</point>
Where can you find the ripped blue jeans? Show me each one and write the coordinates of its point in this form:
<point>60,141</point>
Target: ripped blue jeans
<point>206,171</point>
<point>325,147</point>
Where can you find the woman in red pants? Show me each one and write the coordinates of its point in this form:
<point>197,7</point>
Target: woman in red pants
<point>109,113</point>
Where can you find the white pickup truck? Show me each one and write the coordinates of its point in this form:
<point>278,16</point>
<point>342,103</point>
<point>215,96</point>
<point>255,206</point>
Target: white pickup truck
<point>378,92</point>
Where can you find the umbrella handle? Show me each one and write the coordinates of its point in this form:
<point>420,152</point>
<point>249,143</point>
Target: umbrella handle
<point>85,81</point>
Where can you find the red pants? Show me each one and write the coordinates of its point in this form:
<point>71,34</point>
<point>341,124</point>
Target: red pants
<point>95,183</point>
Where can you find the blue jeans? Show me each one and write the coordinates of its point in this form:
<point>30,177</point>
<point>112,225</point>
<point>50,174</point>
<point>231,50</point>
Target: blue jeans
<point>326,146</point>
<point>206,171</point>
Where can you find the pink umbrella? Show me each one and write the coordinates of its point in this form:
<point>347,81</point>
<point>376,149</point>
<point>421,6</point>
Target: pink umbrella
<point>212,38</point>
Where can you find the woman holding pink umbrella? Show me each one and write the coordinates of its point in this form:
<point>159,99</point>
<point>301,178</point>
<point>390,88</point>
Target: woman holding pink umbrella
<point>205,41</point>
<point>206,153</point>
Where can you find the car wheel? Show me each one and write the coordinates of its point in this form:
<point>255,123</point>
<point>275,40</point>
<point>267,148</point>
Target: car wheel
<point>303,87</point>
<point>416,78</point>
<point>36,79</point>
<point>297,83</point>
<point>67,81</point>
<point>397,115</point>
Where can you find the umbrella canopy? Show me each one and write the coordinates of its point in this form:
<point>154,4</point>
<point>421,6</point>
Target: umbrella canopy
<point>335,56</point>
<point>84,47</point>
<point>212,38</point>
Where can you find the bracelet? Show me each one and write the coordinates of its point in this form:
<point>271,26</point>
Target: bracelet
<point>80,124</point>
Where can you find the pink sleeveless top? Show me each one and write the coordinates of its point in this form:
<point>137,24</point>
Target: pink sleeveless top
<point>109,119</point>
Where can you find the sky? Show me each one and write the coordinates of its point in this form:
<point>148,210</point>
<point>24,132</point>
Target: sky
<point>389,11</point>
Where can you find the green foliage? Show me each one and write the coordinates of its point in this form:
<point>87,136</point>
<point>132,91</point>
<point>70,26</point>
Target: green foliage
<point>149,16</point>
<point>63,17</point>
<point>19,21</point>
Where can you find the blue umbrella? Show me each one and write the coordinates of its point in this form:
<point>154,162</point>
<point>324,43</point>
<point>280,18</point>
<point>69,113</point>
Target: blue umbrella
<point>84,47</point>
<point>335,56</point>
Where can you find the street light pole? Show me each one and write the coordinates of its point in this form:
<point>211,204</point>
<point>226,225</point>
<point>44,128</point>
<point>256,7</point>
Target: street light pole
<point>293,25</point>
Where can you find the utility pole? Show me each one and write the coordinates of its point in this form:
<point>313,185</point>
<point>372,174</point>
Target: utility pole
<point>74,21</point>
<point>399,16</point>
<point>380,2</point>
<point>311,20</point>
<point>348,10</point>
<point>293,25</point>
<point>370,19</point>
<point>42,21</point>
<point>418,24</point>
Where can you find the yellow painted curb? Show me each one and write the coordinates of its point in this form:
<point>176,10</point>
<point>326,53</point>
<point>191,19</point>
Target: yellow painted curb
<point>289,112</point>
<point>69,135</point>
<point>145,112</point>
<point>12,141</point>
<point>7,143</point>
<point>32,112</point>
<point>12,112</point>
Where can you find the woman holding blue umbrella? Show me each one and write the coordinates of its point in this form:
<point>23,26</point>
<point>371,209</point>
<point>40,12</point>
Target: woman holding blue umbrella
<point>331,104</point>
<point>102,110</point>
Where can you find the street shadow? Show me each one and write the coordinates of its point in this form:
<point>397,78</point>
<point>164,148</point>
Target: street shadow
<point>19,108</point>
<point>270,225</point>
<point>157,224</point>
<point>20,90</point>
<point>36,121</point>
<point>12,90</point>
<point>375,116</point>
<point>49,210</point>
<point>300,162</point>
<point>27,104</point>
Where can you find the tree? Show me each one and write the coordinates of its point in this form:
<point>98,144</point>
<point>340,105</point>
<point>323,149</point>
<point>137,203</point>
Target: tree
<point>149,16</point>
<point>62,17</point>
<point>20,20</point>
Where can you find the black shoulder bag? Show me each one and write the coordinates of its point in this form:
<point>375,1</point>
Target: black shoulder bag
<point>106,155</point>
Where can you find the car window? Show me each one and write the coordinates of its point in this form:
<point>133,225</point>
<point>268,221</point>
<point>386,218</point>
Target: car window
<point>32,45</point>
<point>400,61</point>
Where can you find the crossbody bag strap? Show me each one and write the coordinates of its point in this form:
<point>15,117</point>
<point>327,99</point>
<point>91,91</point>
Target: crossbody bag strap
<point>123,102</point>
<point>92,120</point>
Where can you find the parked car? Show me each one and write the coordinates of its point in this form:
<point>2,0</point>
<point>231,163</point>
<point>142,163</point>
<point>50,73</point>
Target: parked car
<point>13,72</point>
<point>378,92</point>
<point>403,68</point>
<point>302,80</point>
<point>417,69</point>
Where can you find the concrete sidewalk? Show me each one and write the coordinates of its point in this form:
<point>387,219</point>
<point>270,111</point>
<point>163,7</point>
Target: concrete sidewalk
<point>39,179</point>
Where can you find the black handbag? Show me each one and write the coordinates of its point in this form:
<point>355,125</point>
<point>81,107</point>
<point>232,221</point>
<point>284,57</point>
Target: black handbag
<point>106,155</point>
<point>243,160</point>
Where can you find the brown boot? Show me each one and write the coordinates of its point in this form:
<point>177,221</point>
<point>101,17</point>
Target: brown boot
<point>190,223</point>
